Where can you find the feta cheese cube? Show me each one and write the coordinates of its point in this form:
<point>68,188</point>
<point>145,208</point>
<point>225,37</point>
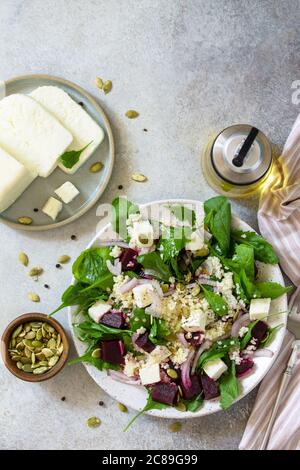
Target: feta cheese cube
<point>52,208</point>
<point>14,179</point>
<point>74,118</point>
<point>150,374</point>
<point>143,295</point>
<point>32,135</point>
<point>259,309</point>
<point>67,192</point>
<point>159,354</point>
<point>141,234</point>
<point>215,368</point>
<point>196,242</point>
<point>196,321</point>
<point>97,310</point>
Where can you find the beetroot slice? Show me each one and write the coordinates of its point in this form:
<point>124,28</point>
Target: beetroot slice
<point>259,332</point>
<point>165,393</point>
<point>210,387</point>
<point>128,260</point>
<point>114,319</point>
<point>193,390</point>
<point>245,365</point>
<point>144,342</point>
<point>113,351</point>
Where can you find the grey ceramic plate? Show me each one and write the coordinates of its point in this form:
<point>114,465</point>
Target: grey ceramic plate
<point>90,185</point>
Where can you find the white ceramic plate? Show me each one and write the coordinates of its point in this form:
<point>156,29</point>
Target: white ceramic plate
<point>135,396</point>
<point>90,185</point>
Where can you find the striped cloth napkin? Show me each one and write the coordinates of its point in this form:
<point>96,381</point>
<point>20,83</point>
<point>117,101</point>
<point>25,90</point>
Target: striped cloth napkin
<point>279,223</point>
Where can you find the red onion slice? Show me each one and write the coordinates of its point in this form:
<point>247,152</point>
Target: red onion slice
<point>115,268</point>
<point>128,286</point>
<point>207,281</point>
<point>241,321</point>
<point>263,353</point>
<point>185,370</point>
<point>182,340</point>
<point>121,377</point>
<point>206,345</point>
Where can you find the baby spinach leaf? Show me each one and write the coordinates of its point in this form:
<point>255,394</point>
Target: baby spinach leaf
<point>96,362</point>
<point>218,220</point>
<point>270,336</point>
<point>194,404</point>
<point>122,208</point>
<point>271,290</point>
<point>171,243</point>
<point>244,258</point>
<point>150,405</point>
<point>263,251</point>
<point>245,340</point>
<point>91,265</point>
<point>70,158</point>
<point>229,387</point>
<point>90,330</point>
<point>248,286</point>
<point>215,301</point>
<point>153,261</point>
<point>139,318</point>
<point>77,295</point>
<point>159,331</point>
<point>218,350</point>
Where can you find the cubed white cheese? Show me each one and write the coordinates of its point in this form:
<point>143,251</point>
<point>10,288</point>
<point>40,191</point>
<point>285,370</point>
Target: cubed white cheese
<point>259,309</point>
<point>150,374</point>
<point>32,135</point>
<point>143,295</point>
<point>196,321</point>
<point>97,310</point>
<point>14,179</point>
<point>52,208</point>
<point>159,354</point>
<point>74,118</point>
<point>196,242</point>
<point>141,234</point>
<point>215,368</point>
<point>67,192</point>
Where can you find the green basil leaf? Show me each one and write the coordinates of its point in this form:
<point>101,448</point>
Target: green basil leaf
<point>91,266</point>
<point>70,158</point>
<point>263,251</point>
<point>271,290</point>
<point>270,336</point>
<point>244,258</point>
<point>245,340</point>
<point>229,387</point>
<point>194,404</point>
<point>77,295</point>
<point>139,319</point>
<point>218,350</point>
<point>215,301</point>
<point>218,220</point>
<point>153,261</point>
<point>159,331</point>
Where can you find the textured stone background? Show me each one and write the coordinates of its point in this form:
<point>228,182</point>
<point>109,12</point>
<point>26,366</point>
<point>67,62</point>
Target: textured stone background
<point>190,68</point>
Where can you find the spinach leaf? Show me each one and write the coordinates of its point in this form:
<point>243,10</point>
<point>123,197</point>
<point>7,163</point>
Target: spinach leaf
<point>218,350</point>
<point>171,243</point>
<point>271,290</point>
<point>90,266</point>
<point>245,340</point>
<point>90,330</point>
<point>248,286</point>
<point>122,208</point>
<point>215,301</point>
<point>270,336</point>
<point>153,261</point>
<point>96,362</point>
<point>218,220</point>
<point>77,295</point>
<point>229,387</point>
<point>139,319</point>
<point>194,404</point>
<point>263,251</point>
<point>244,259</point>
<point>150,405</point>
<point>159,331</point>
<point>70,158</point>
<point>175,266</point>
<point>184,214</point>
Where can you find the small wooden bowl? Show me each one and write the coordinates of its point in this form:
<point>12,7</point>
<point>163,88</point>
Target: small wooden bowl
<point>11,365</point>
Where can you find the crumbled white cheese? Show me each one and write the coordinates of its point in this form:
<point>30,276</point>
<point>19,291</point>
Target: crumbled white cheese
<point>195,322</point>
<point>141,234</point>
<point>234,355</point>
<point>141,330</point>
<point>243,331</point>
<point>159,354</point>
<point>116,251</point>
<point>196,242</point>
<point>217,331</point>
<point>180,355</point>
<point>215,368</point>
<point>131,365</point>
<point>213,266</point>
<point>225,286</point>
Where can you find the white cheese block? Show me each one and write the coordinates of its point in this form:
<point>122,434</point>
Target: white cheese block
<point>52,208</point>
<point>141,234</point>
<point>259,309</point>
<point>196,242</point>
<point>31,134</point>
<point>195,322</point>
<point>143,295</point>
<point>67,192</point>
<point>97,310</point>
<point>215,368</point>
<point>150,374</point>
<point>74,118</point>
<point>14,179</point>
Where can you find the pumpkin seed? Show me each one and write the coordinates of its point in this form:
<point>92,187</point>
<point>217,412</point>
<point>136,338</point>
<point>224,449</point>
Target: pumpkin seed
<point>32,358</point>
<point>33,297</point>
<point>39,335</point>
<point>51,343</point>
<point>40,370</point>
<point>23,258</point>
<point>27,352</point>
<point>175,427</point>
<point>96,353</point>
<point>122,408</point>
<point>19,365</point>
<point>131,114</point>
<point>40,356</point>
<point>47,352</point>
<point>172,373</point>
<point>25,220</point>
<point>30,335</point>
<point>93,422</point>
<point>12,343</point>
<point>195,291</point>
<point>36,325</point>
<point>27,343</point>
<point>180,406</point>
<point>139,177</point>
<point>36,271</point>
<point>60,349</point>
<point>21,335</point>
<point>27,368</point>
<point>96,167</point>
<point>17,331</point>
<point>49,328</point>
<point>37,344</point>
<point>107,87</point>
<point>16,358</point>
<point>20,346</point>
<point>99,83</point>
<point>25,360</point>
<point>27,327</point>
<point>53,360</point>
<point>58,340</point>
<point>64,259</point>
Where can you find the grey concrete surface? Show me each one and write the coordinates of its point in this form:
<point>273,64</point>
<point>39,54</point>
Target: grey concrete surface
<point>190,68</point>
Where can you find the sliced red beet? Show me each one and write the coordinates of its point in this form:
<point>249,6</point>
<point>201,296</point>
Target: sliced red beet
<point>259,332</point>
<point>165,392</point>
<point>193,390</point>
<point>244,367</point>
<point>144,342</point>
<point>113,351</point>
<point>128,260</point>
<point>114,319</point>
<point>210,387</point>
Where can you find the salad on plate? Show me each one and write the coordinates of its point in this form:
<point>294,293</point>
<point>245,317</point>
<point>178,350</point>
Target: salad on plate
<point>174,303</point>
